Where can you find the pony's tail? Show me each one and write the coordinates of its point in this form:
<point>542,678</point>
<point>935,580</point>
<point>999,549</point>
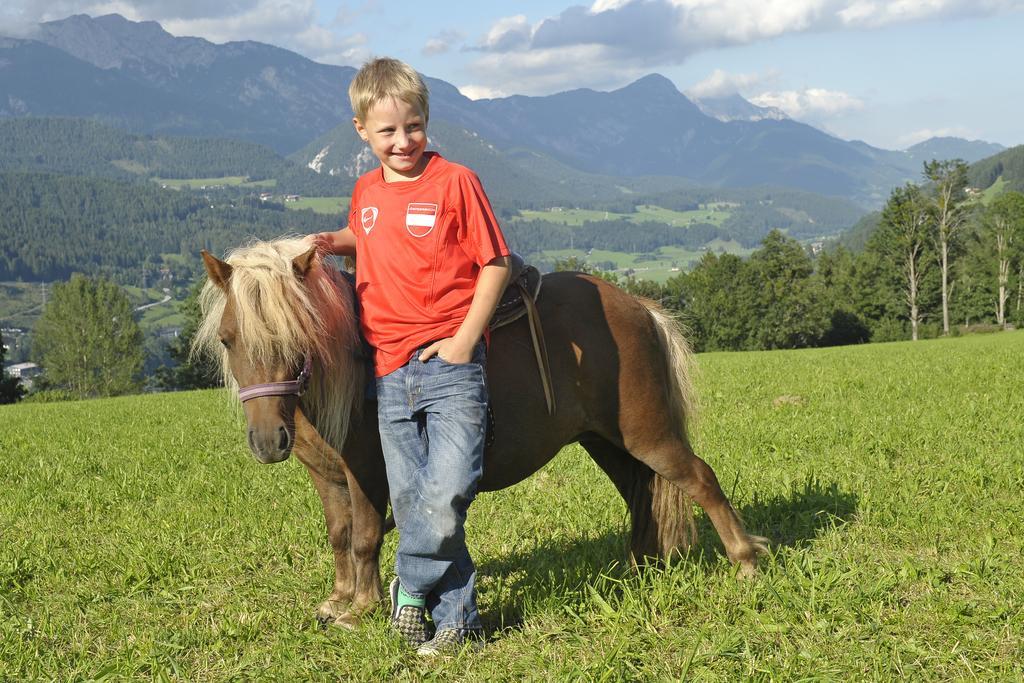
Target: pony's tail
<point>679,361</point>
<point>662,517</point>
<point>670,529</point>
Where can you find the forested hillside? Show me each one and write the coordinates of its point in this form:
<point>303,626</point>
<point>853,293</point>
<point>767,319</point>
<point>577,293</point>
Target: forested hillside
<point>52,226</point>
<point>81,147</point>
<point>1008,165</point>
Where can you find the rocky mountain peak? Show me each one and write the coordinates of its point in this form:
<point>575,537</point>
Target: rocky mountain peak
<point>735,107</point>
<point>114,42</point>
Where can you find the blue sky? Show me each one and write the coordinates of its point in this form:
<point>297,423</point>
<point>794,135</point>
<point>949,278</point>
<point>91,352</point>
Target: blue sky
<point>889,73</point>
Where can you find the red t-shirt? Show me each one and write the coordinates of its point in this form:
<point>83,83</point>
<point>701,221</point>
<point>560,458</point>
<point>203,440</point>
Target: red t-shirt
<point>420,246</point>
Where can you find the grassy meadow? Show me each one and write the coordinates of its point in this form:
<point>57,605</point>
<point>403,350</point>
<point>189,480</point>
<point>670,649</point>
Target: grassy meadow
<point>20,303</point>
<point>227,181</point>
<point>139,539</point>
<point>335,206</point>
<point>715,214</point>
<point>657,266</point>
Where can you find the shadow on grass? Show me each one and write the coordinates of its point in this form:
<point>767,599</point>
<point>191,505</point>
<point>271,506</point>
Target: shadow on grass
<point>546,574</point>
<point>787,520</point>
<point>800,516</point>
<point>549,572</point>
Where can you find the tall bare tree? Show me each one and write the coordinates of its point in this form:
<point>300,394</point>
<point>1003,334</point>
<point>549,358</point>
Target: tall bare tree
<point>949,213</point>
<point>1020,286</point>
<point>1004,226</point>
<point>905,222</point>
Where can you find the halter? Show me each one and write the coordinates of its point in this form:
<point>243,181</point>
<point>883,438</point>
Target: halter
<point>294,387</point>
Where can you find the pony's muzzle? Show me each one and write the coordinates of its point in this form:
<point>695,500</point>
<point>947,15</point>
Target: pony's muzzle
<point>269,445</point>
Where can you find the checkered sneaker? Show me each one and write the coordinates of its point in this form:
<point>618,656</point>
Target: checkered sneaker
<point>451,641</point>
<point>409,621</point>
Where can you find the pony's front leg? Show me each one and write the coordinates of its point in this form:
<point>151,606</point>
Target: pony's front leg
<point>368,491</point>
<point>338,515</point>
<point>329,475</point>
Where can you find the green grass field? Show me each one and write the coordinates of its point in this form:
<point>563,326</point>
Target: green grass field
<point>665,263</point>
<point>643,213</point>
<point>139,539</point>
<point>327,205</point>
<point>993,190</point>
<point>196,183</point>
<point>20,303</point>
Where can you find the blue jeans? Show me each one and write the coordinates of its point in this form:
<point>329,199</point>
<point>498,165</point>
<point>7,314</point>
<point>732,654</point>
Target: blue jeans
<point>433,418</point>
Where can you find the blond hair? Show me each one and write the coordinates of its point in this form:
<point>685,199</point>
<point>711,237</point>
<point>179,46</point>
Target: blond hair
<point>384,78</point>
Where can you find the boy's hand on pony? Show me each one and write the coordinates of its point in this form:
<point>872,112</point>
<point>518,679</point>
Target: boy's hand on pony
<point>316,240</point>
<point>449,350</point>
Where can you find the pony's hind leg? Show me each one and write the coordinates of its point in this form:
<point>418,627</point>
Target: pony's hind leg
<point>661,515</point>
<point>675,460</point>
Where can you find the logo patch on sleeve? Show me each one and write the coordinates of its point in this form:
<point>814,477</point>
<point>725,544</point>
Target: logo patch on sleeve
<point>368,218</point>
<point>420,218</point>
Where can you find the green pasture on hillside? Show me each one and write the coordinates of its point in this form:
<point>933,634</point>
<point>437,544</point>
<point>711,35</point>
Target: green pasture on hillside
<point>20,303</point>
<point>197,183</point>
<point>657,266</point>
<point>327,205</point>
<point>139,539</point>
<point>714,214</point>
<point>994,190</point>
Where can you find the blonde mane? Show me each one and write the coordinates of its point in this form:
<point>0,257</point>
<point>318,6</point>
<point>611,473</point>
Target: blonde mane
<point>281,318</point>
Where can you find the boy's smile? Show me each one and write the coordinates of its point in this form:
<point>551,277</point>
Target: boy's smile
<point>397,134</point>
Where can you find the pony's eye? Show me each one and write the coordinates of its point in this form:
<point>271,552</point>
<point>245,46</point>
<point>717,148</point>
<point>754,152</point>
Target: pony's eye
<point>225,343</point>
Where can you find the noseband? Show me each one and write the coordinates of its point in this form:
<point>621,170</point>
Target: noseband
<point>295,387</point>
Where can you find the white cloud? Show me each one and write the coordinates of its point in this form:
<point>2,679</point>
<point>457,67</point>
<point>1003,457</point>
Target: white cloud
<point>720,83</point>
<point>508,33</point>
<point>441,43</point>
<point>291,24</point>
<point>619,38</point>
<point>435,46</point>
<point>867,14</point>
<point>923,134</point>
<point>552,70</point>
<point>809,103</point>
<point>480,92</point>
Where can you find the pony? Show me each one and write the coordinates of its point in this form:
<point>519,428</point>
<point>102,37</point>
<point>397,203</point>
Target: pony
<point>274,311</point>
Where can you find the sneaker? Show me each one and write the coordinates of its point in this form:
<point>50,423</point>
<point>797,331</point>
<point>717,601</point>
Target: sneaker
<point>409,621</point>
<point>451,641</point>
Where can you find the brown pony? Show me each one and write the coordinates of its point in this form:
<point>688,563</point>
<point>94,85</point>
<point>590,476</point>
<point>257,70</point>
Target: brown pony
<point>619,371</point>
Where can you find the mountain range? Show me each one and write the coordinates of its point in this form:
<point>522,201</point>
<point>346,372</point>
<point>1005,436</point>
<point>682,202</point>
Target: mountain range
<point>138,77</point>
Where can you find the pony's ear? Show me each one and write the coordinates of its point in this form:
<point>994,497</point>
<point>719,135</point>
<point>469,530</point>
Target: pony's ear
<point>218,271</point>
<point>303,262</point>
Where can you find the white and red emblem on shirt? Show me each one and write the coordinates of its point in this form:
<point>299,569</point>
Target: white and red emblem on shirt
<point>420,218</point>
<point>368,217</point>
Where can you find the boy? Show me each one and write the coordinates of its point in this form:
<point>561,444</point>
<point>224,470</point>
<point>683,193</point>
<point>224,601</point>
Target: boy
<point>432,264</point>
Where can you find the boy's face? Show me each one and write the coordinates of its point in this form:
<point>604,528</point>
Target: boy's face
<point>397,134</point>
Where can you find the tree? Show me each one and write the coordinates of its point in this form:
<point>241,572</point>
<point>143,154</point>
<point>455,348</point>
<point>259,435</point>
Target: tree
<point>87,340</point>
<point>949,213</point>
<point>190,372</point>
<point>877,295</point>
<point>835,273</point>
<point>1003,225</point>
<point>717,299</point>
<point>11,390</point>
<point>902,235</point>
<point>790,304</point>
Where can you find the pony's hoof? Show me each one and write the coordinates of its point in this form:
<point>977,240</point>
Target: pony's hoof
<point>748,560</point>
<point>348,621</point>
<point>329,611</point>
<point>747,571</point>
